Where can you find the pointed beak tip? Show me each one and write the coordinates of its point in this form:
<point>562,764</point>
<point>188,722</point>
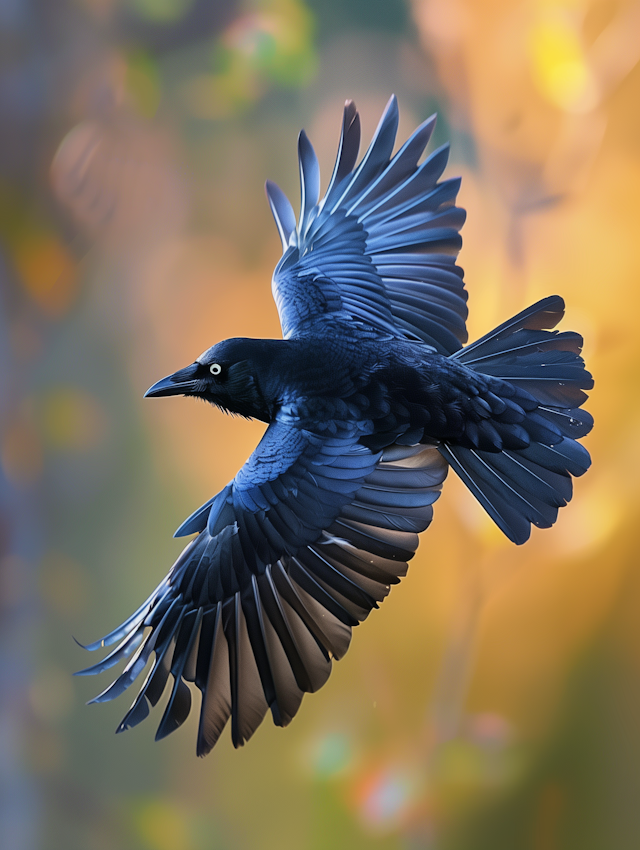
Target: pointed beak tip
<point>162,388</point>
<point>177,384</point>
<point>156,389</point>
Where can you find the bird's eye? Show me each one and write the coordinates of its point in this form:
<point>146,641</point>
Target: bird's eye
<point>215,368</point>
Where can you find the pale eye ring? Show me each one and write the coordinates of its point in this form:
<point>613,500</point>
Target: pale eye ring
<point>215,368</point>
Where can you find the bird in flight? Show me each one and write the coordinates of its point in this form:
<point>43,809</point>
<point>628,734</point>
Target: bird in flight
<point>368,399</point>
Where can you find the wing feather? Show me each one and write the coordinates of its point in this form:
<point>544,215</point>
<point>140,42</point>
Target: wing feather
<point>382,227</point>
<point>214,681</point>
<point>261,601</point>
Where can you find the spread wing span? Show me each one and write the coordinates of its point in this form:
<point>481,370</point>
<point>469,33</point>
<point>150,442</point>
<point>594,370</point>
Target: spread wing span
<point>380,247</point>
<point>289,556</point>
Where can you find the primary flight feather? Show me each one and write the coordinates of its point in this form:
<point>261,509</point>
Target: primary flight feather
<point>368,400</point>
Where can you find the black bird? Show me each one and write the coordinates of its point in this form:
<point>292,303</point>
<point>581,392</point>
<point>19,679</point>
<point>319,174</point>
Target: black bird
<point>368,400</point>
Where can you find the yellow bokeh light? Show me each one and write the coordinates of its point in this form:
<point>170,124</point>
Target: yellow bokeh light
<point>162,825</point>
<point>559,64</point>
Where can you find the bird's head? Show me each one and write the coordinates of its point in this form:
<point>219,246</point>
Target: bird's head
<point>227,375</point>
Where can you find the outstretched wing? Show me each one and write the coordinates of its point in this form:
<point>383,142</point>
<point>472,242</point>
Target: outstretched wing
<point>292,554</point>
<point>380,247</point>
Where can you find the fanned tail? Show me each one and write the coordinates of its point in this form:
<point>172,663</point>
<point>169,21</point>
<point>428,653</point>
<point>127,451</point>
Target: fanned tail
<point>527,485</point>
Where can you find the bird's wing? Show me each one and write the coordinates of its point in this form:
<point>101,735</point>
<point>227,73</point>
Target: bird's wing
<point>296,550</point>
<point>380,247</point>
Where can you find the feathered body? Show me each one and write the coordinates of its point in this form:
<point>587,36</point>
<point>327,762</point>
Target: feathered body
<point>368,399</point>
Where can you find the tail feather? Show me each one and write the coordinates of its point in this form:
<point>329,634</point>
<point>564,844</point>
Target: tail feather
<point>527,484</point>
<point>571,422</point>
<point>542,315</point>
<point>508,499</point>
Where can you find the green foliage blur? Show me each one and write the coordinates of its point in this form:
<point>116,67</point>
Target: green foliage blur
<point>494,702</point>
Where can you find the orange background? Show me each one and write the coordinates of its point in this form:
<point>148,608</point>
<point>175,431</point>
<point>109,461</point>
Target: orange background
<point>494,701</point>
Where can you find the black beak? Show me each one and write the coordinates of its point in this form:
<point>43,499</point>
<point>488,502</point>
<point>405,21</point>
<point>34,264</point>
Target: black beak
<point>181,382</point>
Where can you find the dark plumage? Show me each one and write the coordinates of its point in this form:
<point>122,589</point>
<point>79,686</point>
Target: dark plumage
<point>369,398</point>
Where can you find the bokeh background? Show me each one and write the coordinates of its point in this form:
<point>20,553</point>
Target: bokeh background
<point>494,701</point>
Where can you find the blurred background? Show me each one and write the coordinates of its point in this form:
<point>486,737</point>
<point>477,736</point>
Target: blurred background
<point>494,701</point>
